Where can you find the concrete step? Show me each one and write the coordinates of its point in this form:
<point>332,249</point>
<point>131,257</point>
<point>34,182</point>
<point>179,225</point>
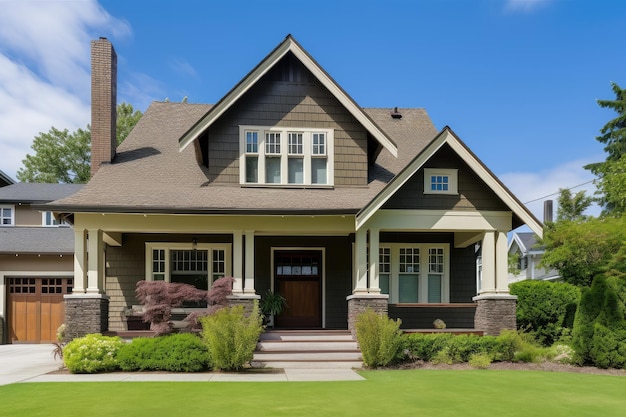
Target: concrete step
<point>308,356</point>
<point>273,345</point>
<point>300,349</point>
<point>308,365</point>
<point>299,335</point>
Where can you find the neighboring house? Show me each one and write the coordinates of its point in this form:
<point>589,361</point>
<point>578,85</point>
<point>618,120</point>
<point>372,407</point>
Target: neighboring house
<point>36,263</point>
<point>287,184</point>
<point>5,179</point>
<point>529,255</point>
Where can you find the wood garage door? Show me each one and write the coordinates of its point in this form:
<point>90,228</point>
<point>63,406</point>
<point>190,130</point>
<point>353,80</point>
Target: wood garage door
<point>35,308</point>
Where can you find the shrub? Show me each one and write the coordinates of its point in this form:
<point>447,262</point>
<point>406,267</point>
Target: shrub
<point>378,337</point>
<point>607,350</point>
<point>231,337</point>
<point>442,357</point>
<point>480,360</point>
<point>599,311</point>
<point>448,348</point>
<point>184,352</point>
<point>545,309</point>
<point>424,346</point>
<point>92,354</point>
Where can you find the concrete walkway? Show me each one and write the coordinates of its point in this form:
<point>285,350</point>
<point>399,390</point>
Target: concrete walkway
<point>33,363</point>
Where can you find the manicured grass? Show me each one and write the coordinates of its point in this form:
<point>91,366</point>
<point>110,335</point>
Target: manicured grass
<point>398,393</point>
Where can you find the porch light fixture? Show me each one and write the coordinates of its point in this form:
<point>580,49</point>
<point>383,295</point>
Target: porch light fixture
<point>194,244</point>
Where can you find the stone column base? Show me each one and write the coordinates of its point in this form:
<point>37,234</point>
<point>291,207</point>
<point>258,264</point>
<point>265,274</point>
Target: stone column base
<point>85,314</point>
<point>495,313</point>
<point>358,303</point>
<point>245,300</point>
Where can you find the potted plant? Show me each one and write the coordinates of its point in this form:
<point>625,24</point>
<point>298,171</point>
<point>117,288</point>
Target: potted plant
<point>272,304</point>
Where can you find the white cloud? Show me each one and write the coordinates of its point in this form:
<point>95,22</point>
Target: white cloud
<point>525,6</point>
<point>533,188</point>
<point>44,69</point>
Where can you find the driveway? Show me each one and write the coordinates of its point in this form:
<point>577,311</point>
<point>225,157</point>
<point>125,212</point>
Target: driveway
<point>23,362</point>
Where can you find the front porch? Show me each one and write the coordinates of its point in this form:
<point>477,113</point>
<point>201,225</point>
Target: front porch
<point>418,276</point>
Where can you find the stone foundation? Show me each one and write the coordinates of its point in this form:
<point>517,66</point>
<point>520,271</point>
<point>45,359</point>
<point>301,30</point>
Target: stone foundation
<point>357,304</point>
<point>85,314</point>
<point>247,301</point>
<point>495,313</point>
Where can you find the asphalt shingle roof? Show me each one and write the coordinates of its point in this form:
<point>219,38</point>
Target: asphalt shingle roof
<point>37,240</point>
<point>150,174</point>
<point>24,192</point>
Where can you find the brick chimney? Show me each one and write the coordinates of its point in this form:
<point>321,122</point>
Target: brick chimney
<point>103,103</point>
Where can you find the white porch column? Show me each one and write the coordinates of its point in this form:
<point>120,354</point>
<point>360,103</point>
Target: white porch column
<point>238,262</point>
<point>95,264</point>
<point>502,263</point>
<point>80,261</point>
<point>360,269</point>
<point>249,278</point>
<point>374,286</point>
<point>488,284</point>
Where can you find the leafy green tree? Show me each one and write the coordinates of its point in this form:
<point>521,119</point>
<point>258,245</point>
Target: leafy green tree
<point>61,156</point>
<point>611,186</point>
<point>571,208</point>
<point>581,250</point>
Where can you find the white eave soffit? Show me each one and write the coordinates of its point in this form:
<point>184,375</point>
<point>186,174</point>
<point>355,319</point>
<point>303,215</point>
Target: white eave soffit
<point>448,136</point>
<point>288,45</point>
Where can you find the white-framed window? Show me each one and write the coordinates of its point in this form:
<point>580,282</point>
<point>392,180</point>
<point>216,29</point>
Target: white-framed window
<point>180,262</point>
<point>48,220</point>
<point>286,156</point>
<point>414,273</point>
<point>7,215</point>
<point>440,181</point>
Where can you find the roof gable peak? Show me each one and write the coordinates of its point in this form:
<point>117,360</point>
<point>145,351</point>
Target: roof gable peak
<point>288,45</point>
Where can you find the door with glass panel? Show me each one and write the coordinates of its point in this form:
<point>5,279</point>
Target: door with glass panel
<point>298,278</point>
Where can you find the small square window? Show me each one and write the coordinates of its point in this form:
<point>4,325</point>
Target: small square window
<point>440,181</point>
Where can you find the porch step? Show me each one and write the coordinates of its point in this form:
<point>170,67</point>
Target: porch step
<point>322,349</point>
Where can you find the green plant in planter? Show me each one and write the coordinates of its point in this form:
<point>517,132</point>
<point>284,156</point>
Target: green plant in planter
<point>272,304</point>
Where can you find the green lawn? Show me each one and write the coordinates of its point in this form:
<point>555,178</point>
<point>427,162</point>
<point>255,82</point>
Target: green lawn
<point>394,393</point>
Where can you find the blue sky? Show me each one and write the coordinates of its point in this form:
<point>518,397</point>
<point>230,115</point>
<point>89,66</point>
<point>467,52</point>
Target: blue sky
<point>517,80</point>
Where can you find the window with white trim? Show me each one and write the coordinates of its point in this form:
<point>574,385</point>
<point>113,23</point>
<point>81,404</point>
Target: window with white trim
<point>7,215</point>
<point>179,262</point>
<point>48,220</point>
<point>440,181</point>
<point>414,273</point>
<point>286,156</point>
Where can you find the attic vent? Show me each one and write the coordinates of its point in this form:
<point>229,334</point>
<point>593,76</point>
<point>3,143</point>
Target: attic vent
<point>395,114</point>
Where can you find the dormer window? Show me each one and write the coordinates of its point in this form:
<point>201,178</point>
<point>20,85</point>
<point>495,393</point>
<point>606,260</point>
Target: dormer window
<point>285,156</point>
<point>48,220</point>
<point>440,181</point>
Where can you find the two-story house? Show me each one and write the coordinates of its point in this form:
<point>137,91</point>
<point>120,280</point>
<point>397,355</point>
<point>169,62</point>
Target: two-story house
<point>288,185</point>
<point>36,263</point>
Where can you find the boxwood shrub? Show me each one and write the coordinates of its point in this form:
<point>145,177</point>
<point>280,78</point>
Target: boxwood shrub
<point>181,352</point>
<point>91,354</point>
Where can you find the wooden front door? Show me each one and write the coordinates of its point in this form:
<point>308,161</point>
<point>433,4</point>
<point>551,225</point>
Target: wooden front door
<point>298,278</point>
<point>36,308</point>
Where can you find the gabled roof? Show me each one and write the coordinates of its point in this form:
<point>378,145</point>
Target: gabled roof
<point>288,45</point>
<point>526,242</point>
<point>447,136</point>
<point>150,175</point>
<point>5,179</point>
<point>31,192</point>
